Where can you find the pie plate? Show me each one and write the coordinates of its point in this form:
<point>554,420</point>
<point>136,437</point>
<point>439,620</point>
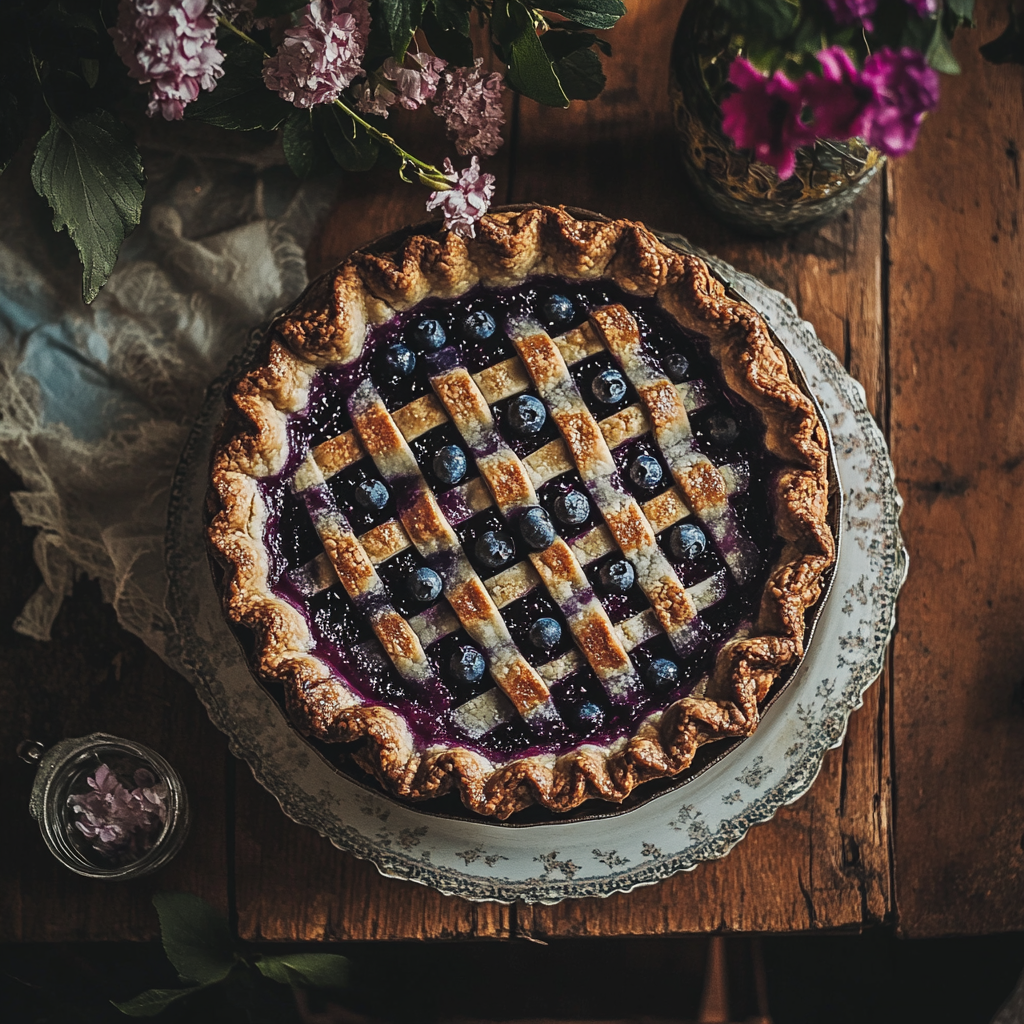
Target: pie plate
<point>695,820</point>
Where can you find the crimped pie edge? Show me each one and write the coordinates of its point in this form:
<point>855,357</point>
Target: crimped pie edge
<point>328,324</point>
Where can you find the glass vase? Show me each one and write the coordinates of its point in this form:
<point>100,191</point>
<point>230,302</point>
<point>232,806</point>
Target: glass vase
<point>739,189</point>
<point>107,807</point>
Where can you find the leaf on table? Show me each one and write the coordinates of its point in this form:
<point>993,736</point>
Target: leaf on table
<point>89,170</point>
<point>196,938</point>
<point>156,1000</point>
<point>939,54</point>
<point>241,100</point>
<point>308,970</point>
<point>530,70</point>
<point>350,144</point>
<point>589,13</point>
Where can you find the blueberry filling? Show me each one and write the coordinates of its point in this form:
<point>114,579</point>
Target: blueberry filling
<point>398,357</point>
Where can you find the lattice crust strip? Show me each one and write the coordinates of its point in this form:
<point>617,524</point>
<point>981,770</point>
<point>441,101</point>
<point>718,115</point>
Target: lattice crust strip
<point>556,565</point>
<point>698,478</point>
<point>438,544</point>
<point>370,597</point>
<point>622,514</point>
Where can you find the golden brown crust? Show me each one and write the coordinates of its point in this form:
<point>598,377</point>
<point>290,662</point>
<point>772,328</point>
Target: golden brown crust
<point>328,324</point>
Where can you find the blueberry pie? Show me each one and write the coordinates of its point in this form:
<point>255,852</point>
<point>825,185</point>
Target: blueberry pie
<point>529,517</point>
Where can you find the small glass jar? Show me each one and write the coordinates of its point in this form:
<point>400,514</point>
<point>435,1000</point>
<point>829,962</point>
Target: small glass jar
<point>107,807</point>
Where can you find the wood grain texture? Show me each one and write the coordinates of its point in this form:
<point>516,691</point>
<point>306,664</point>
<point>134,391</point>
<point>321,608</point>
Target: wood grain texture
<point>823,863</point>
<point>957,314</point>
<point>93,676</point>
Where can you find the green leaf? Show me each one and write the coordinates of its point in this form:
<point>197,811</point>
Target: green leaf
<point>400,18</point>
<point>350,144</point>
<point>89,171</point>
<point>311,970</point>
<point>277,8</point>
<point>768,21</point>
<point>304,146</point>
<point>452,15</point>
<point>581,75</point>
<point>195,937</point>
<point>963,9</point>
<point>939,53</point>
<point>590,13</point>
<point>241,101</point>
<point>156,1000</point>
<point>449,44</point>
<point>530,70</point>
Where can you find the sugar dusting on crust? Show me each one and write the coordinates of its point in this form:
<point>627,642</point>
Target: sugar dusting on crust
<point>329,324</point>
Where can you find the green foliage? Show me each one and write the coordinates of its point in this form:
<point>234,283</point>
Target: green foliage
<point>305,148</point>
<point>530,70</point>
<point>352,147</point>
<point>89,171</point>
<point>451,15</point>
<point>589,13</point>
<point>241,101</point>
<point>939,53</point>
<point>577,66</point>
<point>400,19</point>
<point>277,8</point>
<point>199,945</point>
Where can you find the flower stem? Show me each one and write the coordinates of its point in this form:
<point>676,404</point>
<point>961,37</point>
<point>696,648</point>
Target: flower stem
<point>224,23</point>
<point>428,174</point>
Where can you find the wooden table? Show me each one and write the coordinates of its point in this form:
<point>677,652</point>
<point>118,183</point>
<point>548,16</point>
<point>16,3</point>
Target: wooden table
<point>919,818</point>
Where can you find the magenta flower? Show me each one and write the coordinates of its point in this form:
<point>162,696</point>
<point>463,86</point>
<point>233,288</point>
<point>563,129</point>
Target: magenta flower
<point>322,55</point>
<point>466,201</point>
<point>765,114</point>
<point>120,824</point>
<point>853,12</point>
<point>471,107</point>
<point>926,8</point>
<point>413,88</point>
<point>837,99</point>
<point>904,89</point>
<point>171,46</point>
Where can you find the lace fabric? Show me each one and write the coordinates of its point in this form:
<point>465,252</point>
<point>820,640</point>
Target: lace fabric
<point>96,402</point>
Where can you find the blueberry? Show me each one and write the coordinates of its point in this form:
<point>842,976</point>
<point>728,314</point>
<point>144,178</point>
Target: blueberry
<point>722,429</point>
<point>478,326</point>
<point>617,576</point>
<point>468,665</point>
<point>687,541</point>
<point>677,366</point>
<point>609,387</point>
<point>450,464</point>
<point>399,359</point>
<point>425,585</point>
<point>494,548</point>
<point>589,716</point>
<point>526,414</point>
<point>545,633</point>
<point>429,335</point>
<point>557,310</point>
<point>572,508</point>
<point>372,494</point>
<point>645,471</point>
<point>662,674</point>
<point>536,528</point>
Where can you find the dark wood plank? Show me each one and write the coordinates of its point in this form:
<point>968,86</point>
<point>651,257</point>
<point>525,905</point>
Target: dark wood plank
<point>93,676</point>
<point>957,314</point>
<point>824,862</point>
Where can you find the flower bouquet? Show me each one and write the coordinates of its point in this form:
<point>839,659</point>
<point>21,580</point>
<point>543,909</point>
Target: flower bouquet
<point>326,74</point>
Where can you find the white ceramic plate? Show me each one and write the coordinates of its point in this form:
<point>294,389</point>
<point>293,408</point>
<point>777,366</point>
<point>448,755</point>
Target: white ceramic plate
<point>698,821</point>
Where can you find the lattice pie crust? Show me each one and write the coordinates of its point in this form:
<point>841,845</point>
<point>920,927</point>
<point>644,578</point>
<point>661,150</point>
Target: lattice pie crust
<point>328,325</point>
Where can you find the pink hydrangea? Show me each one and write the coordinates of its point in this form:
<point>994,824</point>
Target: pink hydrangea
<point>413,88</point>
<point>466,201</point>
<point>765,114</point>
<point>853,12</point>
<point>322,55</point>
<point>470,104</point>
<point>837,99</point>
<point>120,824</point>
<point>904,88</point>
<point>371,99</point>
<point>171,46</point>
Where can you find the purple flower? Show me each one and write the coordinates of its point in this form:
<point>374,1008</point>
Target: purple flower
<point>854,12</point>
<point>471,107</point>
<point>171,46</point>
<point>926,8</point>
<point>904,90</point>
<point>120,824</point>
<point>838,98</point>
<point>322,54</point>
<point>413,88</point>
<point>373,100</point>
<point>466,201</point>
<point>765,115</point>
